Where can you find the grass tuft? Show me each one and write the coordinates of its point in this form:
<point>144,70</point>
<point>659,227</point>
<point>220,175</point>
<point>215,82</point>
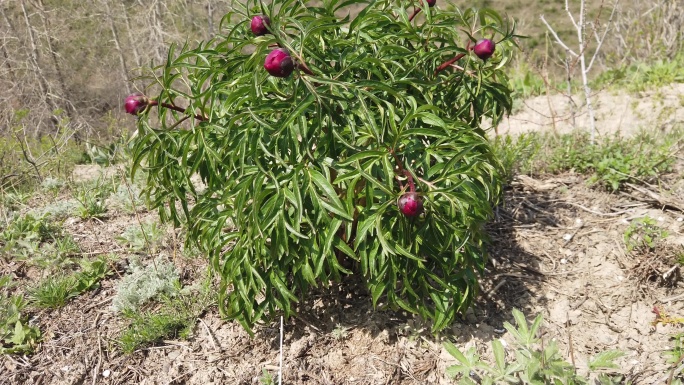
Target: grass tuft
<point>610,163</point>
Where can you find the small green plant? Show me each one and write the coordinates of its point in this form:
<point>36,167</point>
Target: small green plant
<point>516,154</point>
<point>266,378</point>
<point>22,237</point>
<point>340,332</point>
<point>115,152</point>
<point>91,273</point>
<point>638,77</point>
<point>675,354</point>
<point>55,291</point>
<point>143,283</point>
<point>92,199</point>
<point>51,184</point>
<point>16,335</point>
<point>59,210</point>
<point>643,233</point>
<point>532,361</point>
<point>129,197</point>
<point>679,256</point>
<point>175,317</point>
<point>28,228</point>
<point>66,246</point>
<point>148,328</point>
<point>56,254</point>
<point>526,82</point>
<point>15,199</point>
<point>139,238</point>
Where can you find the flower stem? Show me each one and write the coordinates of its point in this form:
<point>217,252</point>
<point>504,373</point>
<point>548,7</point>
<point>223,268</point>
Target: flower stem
<point>412,186</point>
<point>449,62</point>
<point>453,60</point>
<point>175,108</point>
<point>302,66</point>
<point>416,11</point>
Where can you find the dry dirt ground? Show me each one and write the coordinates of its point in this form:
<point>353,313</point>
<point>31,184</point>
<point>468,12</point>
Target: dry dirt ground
<point>616,111</point>
<point>557,249</point>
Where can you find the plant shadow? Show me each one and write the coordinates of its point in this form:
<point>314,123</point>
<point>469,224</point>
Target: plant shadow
<point>512,279</point>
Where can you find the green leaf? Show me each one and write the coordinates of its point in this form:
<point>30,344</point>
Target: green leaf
<point>605,360</point>
<point>333,204</point>
<point>499,356</point>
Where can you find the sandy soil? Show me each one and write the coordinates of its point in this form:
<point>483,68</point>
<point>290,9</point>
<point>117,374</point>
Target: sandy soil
<point>615,112</point>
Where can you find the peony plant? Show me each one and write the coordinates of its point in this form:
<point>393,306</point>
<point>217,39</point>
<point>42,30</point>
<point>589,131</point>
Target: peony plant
<point>332,141</point>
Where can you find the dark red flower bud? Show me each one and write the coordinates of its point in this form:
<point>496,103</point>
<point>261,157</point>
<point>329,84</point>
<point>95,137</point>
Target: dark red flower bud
<point>484,49</point>
<point>260,25</point>
<point>279,63</point>
<point>430,3</point>
<point>135,103</point>
<point>410,204</point>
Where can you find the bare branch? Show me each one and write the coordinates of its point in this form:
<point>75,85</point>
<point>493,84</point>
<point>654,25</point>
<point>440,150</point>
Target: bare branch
<point>555,36</point>
<point>603,38</point>
<point>572,18</point>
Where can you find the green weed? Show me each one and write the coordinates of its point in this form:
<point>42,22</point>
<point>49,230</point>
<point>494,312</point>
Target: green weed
<point>266,378</point>
<point>15,199</point>
<point>144,283</point>
<point>643,233</point>
<point>22,236</point>
<point>174,319</point>
<point>139,238</point>
<point>516,154</point>
<point>639,77</point>
<point>56,254</point>
<point>59,210</point>
<point>340,332</point>
<point>26,158</point>
<point>16,335</point>
<point>129,197</point>
<point>51,184</point>
<point>106,155</point>
<point>55,291</point>
<point>610,163</point>
<point>531,361</point>
<point>92,199</point>
<point>675,354</point>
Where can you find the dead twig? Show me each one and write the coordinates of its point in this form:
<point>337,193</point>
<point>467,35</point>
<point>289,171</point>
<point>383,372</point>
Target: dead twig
<point>615,214</point>
<point>655,199</point>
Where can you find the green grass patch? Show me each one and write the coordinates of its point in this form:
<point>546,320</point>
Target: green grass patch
<point>638,77</point>
<point>610,162</point>
<point>54,292</point>
<point>175,318</point>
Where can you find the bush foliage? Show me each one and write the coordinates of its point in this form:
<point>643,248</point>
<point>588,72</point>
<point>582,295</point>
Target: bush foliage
<point>305,171</point>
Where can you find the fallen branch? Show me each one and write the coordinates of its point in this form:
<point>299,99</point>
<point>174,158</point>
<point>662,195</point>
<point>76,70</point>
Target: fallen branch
<point>656,199</point>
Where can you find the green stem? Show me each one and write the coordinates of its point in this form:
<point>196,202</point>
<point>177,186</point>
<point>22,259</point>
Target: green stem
<point>175,108</point>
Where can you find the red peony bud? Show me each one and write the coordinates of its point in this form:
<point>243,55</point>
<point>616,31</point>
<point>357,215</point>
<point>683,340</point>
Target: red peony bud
<point>430,3</point>
<point>410,204</point>
<point>279,63</point>
<point>484,49</point>
<point>260,25</point>
<point>135,103</point>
